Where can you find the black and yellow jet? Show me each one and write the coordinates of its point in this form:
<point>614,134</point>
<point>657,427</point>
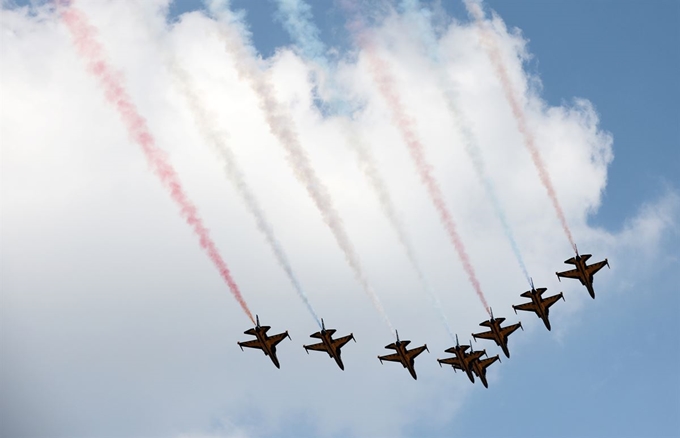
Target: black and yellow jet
<point>462,359</point>
<point>265,343</point>
<point>583,272</point>
<point>497,333</point>
<point>538,304</point>
<point>404,356</point>
<point>479,367</point>
<point>328,344</point>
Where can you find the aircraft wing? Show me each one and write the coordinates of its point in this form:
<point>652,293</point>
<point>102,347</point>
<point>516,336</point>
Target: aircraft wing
<point>571,261</point>
<point>338,343</point>
<point>483,364</point>
<point>596,267</point>
<point>251,344</point>
<point>391,357</point>
<point>273,340</point>
<point>551,300</point>
<point>529,307</point>
<point>411,354</point>
<point>453,361</point>
<point>317,347</point>
<point>572,273</point>
<point>484,335</point>
<point>506,331</point>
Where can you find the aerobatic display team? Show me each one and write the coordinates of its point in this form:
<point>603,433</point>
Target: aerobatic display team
<point>337,102</point>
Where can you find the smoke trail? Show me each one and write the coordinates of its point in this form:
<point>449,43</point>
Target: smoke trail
<point>375,180</point>
<point>234,37</point>
<point>494,54</point>
<point>406,126</point>
<point>84,39</point>
<point>424,30</point>
<point>298,22</point>
<point>233,172</point>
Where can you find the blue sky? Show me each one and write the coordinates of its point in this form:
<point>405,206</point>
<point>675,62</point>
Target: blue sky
<point>614,372</point>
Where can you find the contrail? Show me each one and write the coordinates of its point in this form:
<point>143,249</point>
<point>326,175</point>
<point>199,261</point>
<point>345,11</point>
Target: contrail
<point>233,172</point>
<point>234,37</point>
<point>424,29</point>
<point>406,125</point>
<point>84,39</point>
<point>493,52</point>
<point>298,22</point>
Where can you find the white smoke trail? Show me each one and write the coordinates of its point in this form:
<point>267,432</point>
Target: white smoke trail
<point>217,140</point>
<point>234,37</point>
<point>422,26</point>
<point>377,183</point>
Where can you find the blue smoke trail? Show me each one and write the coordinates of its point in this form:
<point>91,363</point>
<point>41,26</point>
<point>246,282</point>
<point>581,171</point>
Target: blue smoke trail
<point>232,170</point>
<point>421,19</point>
<point>297,20</point>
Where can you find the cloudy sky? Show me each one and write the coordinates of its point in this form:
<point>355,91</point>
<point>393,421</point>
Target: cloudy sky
<point>114,322</point>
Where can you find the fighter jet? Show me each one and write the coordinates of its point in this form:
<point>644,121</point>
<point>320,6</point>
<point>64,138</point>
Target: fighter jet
<point>497,333</point>
<point>462,359</point>
<point>583,272</point>
<point>265,343</point>
<point>328,344</point>
<point>480,366</point>
<point>404,356</point>
<point>538,304</point>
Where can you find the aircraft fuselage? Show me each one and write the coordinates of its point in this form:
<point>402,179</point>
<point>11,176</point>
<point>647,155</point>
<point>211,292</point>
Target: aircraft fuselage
<point>267,348</point>
<point>327,339</point>
<point>465,361</point>
<point>541,309</point>
<point>405,361</point>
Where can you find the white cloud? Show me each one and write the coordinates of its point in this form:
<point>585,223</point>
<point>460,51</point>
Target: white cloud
<point>114,323</point>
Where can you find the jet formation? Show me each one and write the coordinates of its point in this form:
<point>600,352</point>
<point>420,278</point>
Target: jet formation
<point>464,358</point>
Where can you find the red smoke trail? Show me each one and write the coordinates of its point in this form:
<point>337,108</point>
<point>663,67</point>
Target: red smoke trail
<point>84,39</point>
<point>406,126</point>
<point>511,96</point>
